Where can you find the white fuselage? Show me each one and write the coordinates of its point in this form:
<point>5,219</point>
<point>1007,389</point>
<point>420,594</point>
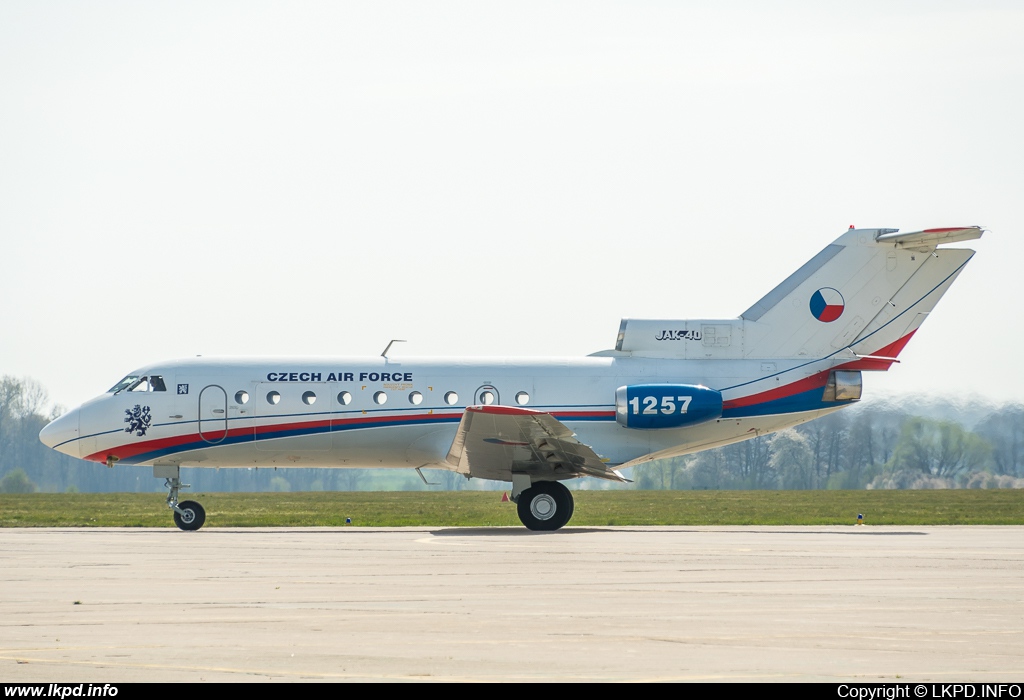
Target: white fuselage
<point>288,412</point>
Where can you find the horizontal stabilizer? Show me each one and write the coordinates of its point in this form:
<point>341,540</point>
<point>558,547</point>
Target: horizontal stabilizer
<point>930,237</point>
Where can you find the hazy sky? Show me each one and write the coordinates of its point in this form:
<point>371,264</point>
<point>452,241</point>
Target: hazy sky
<point>488,178</point>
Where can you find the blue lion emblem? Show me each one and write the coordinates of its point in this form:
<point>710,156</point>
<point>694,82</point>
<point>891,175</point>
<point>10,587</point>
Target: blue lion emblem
<point>138,420</point>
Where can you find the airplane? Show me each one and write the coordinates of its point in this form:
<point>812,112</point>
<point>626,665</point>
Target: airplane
<point>667,388</point>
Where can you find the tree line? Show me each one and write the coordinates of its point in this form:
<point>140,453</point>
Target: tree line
<point>910,443</point>
<point>873,445</point>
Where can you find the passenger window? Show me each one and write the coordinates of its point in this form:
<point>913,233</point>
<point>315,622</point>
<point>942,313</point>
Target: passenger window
<point>380,398</point>
<point>415,398</point>
<point>273,398</point>
<point>451,398</point>
<point>522,398</point>
<point>309,398</point>
<point>242,397</point>
<point>486,397</point>
<point>344,398</point>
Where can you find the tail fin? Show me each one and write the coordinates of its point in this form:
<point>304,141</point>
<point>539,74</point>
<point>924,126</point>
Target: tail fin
<point>861,298</point>
<point>868,291</point>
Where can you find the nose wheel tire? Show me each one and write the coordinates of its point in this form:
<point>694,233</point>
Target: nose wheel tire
<point>191,517</point>
<point>545,506</point>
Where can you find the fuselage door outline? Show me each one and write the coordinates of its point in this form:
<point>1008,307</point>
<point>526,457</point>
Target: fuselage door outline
<point>213,414</point>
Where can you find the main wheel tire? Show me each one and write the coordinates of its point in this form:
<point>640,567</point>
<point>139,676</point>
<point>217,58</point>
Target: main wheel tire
<point>192,516</point>
<point>545,506</point>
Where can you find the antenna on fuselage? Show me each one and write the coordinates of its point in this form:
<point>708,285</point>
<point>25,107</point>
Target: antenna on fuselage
<point>385,353</point>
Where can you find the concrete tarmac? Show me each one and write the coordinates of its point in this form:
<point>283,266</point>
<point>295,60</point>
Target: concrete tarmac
<point>865,604</point>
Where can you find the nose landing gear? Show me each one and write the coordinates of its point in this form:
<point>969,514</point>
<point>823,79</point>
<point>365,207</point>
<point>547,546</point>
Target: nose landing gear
<point>188,515</point>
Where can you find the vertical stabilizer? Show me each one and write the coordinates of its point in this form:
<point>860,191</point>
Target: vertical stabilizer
<point>868,291</point>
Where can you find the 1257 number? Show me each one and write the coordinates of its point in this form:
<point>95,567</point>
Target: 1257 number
<point>668,405</point>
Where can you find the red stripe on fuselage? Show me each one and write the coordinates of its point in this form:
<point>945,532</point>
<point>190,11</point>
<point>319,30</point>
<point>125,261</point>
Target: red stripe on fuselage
<point>801,385</point>
<point>569,415</point>
<point>132,449</point>
<point>894,349</point>
<point>878,365</point>
<point>502,410</point>
<point>129,450</point>
<point>821,378</point>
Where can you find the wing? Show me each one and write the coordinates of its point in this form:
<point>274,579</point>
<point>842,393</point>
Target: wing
<point>494,441</point>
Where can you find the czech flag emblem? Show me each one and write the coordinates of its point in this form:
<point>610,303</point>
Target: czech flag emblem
<point>827,304</point>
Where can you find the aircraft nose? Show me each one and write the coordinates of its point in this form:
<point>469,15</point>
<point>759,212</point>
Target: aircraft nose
<point>61,434</point>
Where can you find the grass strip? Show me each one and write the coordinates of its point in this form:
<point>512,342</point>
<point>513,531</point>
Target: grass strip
<point>484,508</point>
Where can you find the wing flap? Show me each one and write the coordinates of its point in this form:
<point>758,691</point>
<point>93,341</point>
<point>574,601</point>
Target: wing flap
<point>493,442</point>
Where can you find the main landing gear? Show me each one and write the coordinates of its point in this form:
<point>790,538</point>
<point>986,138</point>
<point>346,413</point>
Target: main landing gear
<point>545,505</point>
<point>188,515</point>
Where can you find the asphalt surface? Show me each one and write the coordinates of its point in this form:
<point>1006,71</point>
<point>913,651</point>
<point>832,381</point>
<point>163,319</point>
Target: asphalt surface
<point>867,604</point>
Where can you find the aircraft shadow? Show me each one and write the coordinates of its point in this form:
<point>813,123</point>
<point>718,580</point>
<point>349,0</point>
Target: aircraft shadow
<point>512,532</point>
<point>507,532</point>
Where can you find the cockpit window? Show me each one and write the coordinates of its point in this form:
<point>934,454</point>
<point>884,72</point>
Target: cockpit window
<point>123,384</point>
<point>135,383</point>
